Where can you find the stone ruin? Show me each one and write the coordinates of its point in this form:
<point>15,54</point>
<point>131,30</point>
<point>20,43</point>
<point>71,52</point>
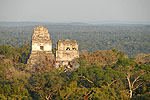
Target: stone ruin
<point>41,52</point>
<point>66,52</point>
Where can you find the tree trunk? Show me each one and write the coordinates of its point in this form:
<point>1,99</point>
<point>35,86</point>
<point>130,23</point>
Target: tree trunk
<point>130,87</point>
<point>130,93</point>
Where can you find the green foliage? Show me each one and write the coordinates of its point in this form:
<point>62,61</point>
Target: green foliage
<point>24,52</point>
<point>18,54</point>
<point>68,48</point>
<point>136,75</point>
<point>114,50</point>
<point>9,52</point>
<point>54,51</point>
<point>45,85</point>
<point>126,62</point>
<point>74,48</point>
<point>96,79</point>
<point>102,75</point>
<point>104,93</point>
<point>121,53</point>
<point>100,58</point>
<point>13,91</point>
<point>146,96</point>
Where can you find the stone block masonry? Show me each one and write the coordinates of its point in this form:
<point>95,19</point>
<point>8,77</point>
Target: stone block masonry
<point>66,51</point>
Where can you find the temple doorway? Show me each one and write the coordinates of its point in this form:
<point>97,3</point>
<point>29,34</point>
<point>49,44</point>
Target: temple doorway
<point>41,47</point>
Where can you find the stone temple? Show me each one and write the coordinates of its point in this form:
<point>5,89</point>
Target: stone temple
<point>41,40</point>
<point>66,51</point>
<point>41,52</point>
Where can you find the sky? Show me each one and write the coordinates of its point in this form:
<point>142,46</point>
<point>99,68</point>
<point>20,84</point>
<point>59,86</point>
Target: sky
<point>75,10</point>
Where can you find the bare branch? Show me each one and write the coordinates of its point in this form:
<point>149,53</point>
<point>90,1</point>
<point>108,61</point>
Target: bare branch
<point>86,79</point>
<point>87,95</point>
<point>128,78</point>
<point>111,82</point>
<point>47,97</point>
<point>135,80</point>
<point>138,86</point>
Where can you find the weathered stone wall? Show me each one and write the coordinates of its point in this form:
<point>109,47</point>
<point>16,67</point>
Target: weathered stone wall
<point>66,51</point>
<point>41,51</point>
<point>41,39</point>
<point>39,59</point>
<point>66,55</point>
<point>67,45</point>
<point>46,46</point>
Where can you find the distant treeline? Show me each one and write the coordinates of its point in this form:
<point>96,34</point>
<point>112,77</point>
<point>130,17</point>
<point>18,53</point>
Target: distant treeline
<point>132,39</point>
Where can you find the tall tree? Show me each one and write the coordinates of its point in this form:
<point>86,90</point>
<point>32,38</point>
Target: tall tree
<point>134,74</point>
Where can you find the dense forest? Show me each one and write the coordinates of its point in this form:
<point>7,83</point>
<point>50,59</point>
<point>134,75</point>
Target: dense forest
<point>114,63</point>
<point>102,75</point>
<point>130,38</point>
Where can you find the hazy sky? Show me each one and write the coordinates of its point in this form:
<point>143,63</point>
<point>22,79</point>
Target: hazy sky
<point>75,10</point>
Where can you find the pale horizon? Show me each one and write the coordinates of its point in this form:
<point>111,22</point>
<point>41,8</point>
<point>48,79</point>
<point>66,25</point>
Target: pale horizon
<point>90,11</point>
